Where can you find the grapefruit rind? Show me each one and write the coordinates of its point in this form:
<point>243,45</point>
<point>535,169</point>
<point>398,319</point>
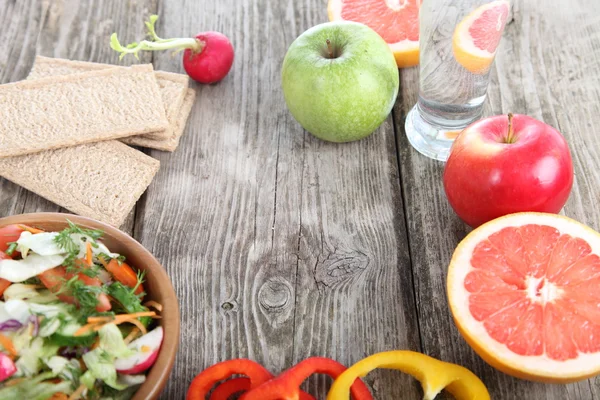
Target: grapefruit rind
<point>472,58</point>
<point>406,52</point>
<point>537,368</point>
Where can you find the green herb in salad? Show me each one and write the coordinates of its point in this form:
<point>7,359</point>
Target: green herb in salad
<point>127,300</point>
<point>12,246</point>
<point>64,235</point>
<point>92,271</point>
<point>120,259</point>
<point>32,281</point>
<point>66,242</point>
<point>73,318</point>
<point>86,295</point>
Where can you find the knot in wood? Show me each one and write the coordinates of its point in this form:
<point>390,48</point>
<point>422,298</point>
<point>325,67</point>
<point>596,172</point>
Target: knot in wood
<point>340,266</point>
<point>275,295</point>
<point>228,306</point>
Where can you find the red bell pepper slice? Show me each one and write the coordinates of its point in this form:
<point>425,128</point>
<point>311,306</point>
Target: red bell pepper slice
<point>228,388</point>
<point>239,385</point>
<point>204,381</point>
<point>255,374</point>
<point>287,385</point>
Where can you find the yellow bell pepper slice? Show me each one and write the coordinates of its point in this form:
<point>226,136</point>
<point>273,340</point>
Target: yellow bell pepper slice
<point>433,374</point>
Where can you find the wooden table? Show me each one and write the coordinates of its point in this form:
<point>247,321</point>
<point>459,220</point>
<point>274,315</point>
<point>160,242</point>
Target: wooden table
<point>281,246</point>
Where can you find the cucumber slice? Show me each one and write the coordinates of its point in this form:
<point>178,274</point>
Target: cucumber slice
<point>65,336</point>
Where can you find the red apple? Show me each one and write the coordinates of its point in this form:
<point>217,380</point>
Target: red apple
<point>146,350</point>
<point>507,164</point>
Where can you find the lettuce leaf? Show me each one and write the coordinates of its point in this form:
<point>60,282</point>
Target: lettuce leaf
<point>111,341</point>
<point>35,388</point>
<point>101,366</point>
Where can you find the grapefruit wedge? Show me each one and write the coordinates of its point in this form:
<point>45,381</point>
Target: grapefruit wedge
<point>396,21</point>
<point>524,291</point>
<point>477,36</point>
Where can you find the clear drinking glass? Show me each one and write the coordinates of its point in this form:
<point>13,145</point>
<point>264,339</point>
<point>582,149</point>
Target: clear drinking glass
<point>458,41</point>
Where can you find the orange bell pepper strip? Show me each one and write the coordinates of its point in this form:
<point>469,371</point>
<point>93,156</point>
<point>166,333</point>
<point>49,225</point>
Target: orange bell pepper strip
<point>434,375</point>
<point>287,385</point>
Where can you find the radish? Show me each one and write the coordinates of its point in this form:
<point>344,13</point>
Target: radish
<point>207,58</point>
<point>7,367</point>
<point>146,350</point>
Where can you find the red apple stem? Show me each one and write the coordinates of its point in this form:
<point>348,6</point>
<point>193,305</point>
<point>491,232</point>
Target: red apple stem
<point>511,132</point>
<point>329,48</point>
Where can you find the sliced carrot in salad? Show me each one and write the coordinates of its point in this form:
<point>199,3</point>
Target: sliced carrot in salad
<point>30,229</point>
<point>96,323</point>
<point>137,323</point>
<point>153,304</point>
<point>86,328</point>
<point>4,284</point>
<point>121,317</point>
<point>89,254</point>
<point>77,393</point>
<point>8,345</point>
<point>132,335</point>
<point>123,273</point>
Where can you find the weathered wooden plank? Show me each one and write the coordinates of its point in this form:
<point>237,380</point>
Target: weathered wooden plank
<point>210,215</point>
<point>547,67</point>
<point>253,218</point>
<point>21,22</point>
<point>354,294</point>
<point>76,30</point>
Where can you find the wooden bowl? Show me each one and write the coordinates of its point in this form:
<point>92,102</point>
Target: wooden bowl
<point>157,285</point>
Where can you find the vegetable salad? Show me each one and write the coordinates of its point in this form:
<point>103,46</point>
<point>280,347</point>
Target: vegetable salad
<point>73,322</point>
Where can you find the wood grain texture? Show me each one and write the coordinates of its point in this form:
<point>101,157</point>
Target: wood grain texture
<point>280,246</point>
<point>21,21</point>
<point>547,67</point>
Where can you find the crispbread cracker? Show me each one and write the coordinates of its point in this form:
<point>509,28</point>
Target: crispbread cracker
<point>62,111</point>
<point>100,180</point>
<point>172,86</point>
<point>171,143</point>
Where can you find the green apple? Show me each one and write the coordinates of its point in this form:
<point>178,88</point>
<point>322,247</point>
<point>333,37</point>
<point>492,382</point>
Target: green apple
<point>340,81</point>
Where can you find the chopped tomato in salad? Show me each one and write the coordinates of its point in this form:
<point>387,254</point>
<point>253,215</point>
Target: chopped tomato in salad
<point>73,324</point>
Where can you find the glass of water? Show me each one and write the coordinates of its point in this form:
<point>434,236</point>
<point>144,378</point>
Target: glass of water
<point>458,42</point>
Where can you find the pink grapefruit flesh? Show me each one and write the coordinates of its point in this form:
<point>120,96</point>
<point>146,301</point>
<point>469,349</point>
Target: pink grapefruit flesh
<point>524,291</point>
<point>396,21</point>
<point>478,35</point>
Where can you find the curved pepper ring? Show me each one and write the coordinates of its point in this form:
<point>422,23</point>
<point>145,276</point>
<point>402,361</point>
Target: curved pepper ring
<point>434,375</point>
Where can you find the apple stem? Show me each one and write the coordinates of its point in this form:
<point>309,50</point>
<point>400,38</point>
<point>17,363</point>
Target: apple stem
<point>329,48</point>
<point>509,138</point>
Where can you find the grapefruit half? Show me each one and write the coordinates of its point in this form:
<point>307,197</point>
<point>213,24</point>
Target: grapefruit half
<point>396,21</point>
<point>524,291</point>
<point>477,36</point>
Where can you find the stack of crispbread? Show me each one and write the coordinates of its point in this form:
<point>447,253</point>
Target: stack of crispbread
<point>61,132</point>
